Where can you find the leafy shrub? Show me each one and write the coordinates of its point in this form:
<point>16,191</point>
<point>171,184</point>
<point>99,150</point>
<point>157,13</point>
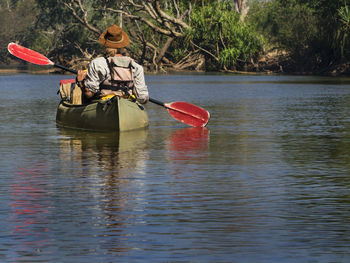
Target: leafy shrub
<point>222,36</point>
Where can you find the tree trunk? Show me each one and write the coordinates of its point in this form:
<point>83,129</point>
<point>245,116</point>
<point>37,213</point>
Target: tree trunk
<point>163,50</point>
<point>241,6</point>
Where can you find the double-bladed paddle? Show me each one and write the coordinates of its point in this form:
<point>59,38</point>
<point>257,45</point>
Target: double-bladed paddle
<point>182,111</point>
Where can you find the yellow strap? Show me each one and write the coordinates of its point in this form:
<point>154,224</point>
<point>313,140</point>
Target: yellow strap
<point>107,97</point>
<point>132,97</point>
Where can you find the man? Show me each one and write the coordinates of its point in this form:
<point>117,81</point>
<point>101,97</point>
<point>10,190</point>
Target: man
<point>113,73</point>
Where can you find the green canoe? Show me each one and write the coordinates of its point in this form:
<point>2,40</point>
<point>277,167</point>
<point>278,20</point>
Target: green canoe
<point>114,114</point>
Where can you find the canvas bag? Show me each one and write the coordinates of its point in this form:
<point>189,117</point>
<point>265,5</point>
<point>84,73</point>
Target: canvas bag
<point>70,92</point>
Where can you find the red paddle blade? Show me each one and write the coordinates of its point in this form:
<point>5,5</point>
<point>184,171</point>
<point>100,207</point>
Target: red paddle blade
<point>28,55</point>
<point>188,113</point>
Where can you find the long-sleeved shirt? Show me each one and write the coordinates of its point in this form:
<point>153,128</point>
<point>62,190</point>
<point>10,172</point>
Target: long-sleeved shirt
<point>98,71</point>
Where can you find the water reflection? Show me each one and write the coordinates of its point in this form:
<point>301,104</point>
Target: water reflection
<point>29,212</point>
<point>314,134</point>
<point>184,143</point>
<point>112,152</point>
<point>185,149</point>
<point>109,164</point>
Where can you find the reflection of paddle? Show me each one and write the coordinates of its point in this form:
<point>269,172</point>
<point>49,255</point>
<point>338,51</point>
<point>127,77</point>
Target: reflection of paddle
<point>182,111</point>
<point>189,140</point>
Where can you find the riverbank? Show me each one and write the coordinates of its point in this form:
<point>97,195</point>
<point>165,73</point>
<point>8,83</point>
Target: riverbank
<point>16,68</point>
<point>271,63</point>
<point>283,63</point>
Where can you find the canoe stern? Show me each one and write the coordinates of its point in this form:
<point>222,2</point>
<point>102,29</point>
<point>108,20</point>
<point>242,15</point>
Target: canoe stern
<point>115,114</point>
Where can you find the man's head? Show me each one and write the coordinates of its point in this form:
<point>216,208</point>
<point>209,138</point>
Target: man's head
<point>114,37</point>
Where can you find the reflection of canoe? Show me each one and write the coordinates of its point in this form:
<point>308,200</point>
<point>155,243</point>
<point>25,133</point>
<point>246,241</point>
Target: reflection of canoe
<point>114,141</point>
<point>115,114</point>
<point>117,152</point>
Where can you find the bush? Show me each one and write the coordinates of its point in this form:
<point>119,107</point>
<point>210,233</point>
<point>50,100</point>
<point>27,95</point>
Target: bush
<point>290,26</point>
<point>221,35</point>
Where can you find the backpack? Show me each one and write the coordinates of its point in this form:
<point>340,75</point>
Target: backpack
<point>120,77</point>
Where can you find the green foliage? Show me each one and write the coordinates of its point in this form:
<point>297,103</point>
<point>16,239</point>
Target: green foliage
<point>222,36</point>
<point>344,14</point>
<point>178,53</point>
<point>342,35</point>
<point>313,31</point>
<point>287,25</point>
<point>16,21</point>
<point>59,35</point>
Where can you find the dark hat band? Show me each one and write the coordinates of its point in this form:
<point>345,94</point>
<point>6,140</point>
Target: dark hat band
<point>115,42</point>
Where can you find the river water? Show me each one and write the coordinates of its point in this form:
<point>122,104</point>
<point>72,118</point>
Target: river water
<point>268,180</point>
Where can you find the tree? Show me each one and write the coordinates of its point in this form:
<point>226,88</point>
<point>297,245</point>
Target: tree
<point>163,33</point>
<point>152,25</point>
<point>241,6</point>
<point>306,29</point>
<point>16,21</point>
<point>222,37</point>
<point>342,35</point>
<point>159,29</point>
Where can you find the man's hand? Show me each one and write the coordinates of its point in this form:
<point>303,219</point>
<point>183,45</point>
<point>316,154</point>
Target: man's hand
<point>88,93</point>
<point>81,75</point>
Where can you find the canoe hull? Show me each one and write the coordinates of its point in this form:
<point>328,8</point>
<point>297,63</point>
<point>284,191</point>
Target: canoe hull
<point>116,114</point>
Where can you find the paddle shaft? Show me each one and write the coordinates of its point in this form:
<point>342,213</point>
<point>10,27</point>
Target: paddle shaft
<point>158,102</point>
<point>65,68</point>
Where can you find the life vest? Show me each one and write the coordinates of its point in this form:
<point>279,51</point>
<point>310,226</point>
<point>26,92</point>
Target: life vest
<point>120,77</point>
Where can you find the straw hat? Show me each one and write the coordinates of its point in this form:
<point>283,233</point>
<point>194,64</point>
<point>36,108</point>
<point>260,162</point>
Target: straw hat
<point>114,37</point>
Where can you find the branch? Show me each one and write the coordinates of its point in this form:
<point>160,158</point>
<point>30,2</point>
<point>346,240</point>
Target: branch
<point>85,53</point>
<point>133,4</point>
<point>206,51</point>
<point>165,16</point>
<point>149,23</point>
<point>154,13</point>
<point>176,6</point>
<point>84,21</point>
<point>150,10</point>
